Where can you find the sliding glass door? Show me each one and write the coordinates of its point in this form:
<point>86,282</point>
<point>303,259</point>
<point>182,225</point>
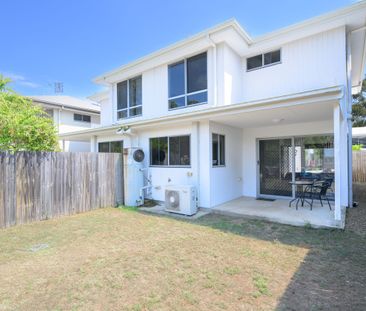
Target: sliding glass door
<point>287,159</point>
<point>275,167</point>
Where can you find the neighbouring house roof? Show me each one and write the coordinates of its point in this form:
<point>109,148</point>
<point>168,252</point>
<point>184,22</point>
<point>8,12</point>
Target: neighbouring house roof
<point>69,102</point>
<point>100,96</point>
<point>352,17</point>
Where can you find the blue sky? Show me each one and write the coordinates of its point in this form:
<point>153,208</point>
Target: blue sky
<point>73,41</point>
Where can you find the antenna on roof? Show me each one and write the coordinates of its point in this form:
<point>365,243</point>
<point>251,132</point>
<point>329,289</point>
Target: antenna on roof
<point>59,87</point>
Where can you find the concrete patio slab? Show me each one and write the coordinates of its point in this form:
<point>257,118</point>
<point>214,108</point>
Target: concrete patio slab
<point>279,211</point>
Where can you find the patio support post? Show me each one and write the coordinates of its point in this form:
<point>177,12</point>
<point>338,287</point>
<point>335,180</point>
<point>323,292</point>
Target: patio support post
<point>93,144</point>
<point>195,161</point>
<point>340,160</point>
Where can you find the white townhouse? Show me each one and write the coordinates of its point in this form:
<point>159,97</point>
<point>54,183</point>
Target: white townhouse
<point>70,114</point>
<point>244,118</point>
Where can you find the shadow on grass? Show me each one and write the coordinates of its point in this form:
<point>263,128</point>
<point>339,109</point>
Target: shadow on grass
<point>332,276</point>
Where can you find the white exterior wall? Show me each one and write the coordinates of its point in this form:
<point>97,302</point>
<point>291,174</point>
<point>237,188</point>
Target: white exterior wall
<point>226,181</point>
<point>64,121</point>
<point>155,91</point>
<point>312,63</point>
<point>67,123</point>
<point>106,112</point>
<point>229,76</point>
<point>250,153</point>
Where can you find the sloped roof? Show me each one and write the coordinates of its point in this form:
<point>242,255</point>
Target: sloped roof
<point>67,102</point>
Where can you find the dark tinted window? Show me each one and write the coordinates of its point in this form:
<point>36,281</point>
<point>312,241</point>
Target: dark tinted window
<point>122,95</point>
<point>272,57</point>
<point>218,149</point>
<point>103,147</point>
<point>159,151</point>
<point>197,73</point>
<point>177,102</point>
<point>81,117</point>
<point>254,62</point>
<point>111,146</point>
<point>135,92</point>
<point>198,98</point>
<point>116,146</point>
<point>86,118</point>
<point>222,149</point>
<point>179,150</point>
<point>215,149</point>
<point>176,79</point>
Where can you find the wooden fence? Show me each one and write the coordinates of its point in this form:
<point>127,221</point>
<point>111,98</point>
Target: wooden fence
<point>359,166</point>
<point>43,185</point>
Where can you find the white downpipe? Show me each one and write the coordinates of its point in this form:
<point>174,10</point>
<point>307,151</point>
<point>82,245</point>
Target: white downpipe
<point>349,115</point>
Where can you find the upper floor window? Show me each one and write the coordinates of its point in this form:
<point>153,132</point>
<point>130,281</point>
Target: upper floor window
<point>82,118</point>
<point>263,60</point>
<point>188,82</point>
<point>129,98</point>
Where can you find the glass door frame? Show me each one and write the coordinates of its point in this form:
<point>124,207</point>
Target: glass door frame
<point>267,196</point>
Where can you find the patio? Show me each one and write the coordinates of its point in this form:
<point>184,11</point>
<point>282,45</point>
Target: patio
<point>279,211</point>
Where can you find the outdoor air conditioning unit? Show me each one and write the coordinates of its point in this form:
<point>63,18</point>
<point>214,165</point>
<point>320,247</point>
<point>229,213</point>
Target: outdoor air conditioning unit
<point>181,200</point>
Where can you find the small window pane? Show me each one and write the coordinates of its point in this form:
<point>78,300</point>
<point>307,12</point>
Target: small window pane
<point>185,150</point>
<point>254,62</point>
<point>122,114</point>
<point>103,147</point>
<point>272,57</point>
<point>159,151</point>
<point>177,102</point>
<point>86,119</point>
<point>122,95</point>
<point>116,146</point>
<point>222,149</point>
<point>197,73</point>
<point>136,111</point>
<point>179,150</point>
<point>195,99</point>
<point>176,79</point>
<point>215,149</point>
<point>78,117</point>
<point>135,92</point>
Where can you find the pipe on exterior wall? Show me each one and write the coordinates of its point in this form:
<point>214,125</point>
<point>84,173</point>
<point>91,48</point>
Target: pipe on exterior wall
<point>349,116</point>
<point>213,45</point>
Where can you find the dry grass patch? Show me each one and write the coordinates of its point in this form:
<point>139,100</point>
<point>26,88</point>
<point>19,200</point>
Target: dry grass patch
<point>117,259</point>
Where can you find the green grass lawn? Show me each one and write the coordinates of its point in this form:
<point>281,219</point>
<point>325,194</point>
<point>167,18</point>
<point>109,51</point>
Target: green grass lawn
<point>121,259</point>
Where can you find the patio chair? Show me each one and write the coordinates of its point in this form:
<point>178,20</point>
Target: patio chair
<point>318,191</point>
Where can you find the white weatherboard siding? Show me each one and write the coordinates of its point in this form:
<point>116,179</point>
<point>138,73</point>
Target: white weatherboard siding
<point>312,63</point>
<point>106,112</point>
<point>226,181</point>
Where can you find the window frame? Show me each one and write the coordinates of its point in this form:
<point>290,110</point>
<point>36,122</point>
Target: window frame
<point>186,94</point>
<point>263,65</point>
<point>129,107</point>
<point>168,151</point>
<point>82,118</point>
<point>218,150</point>
<point>109,142</point>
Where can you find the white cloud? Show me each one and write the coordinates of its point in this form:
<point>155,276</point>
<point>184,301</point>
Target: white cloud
<point>21,80</point>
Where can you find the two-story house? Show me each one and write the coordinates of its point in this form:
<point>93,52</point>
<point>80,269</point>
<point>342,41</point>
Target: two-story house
<point>244,118</point>
<point>70,114</point>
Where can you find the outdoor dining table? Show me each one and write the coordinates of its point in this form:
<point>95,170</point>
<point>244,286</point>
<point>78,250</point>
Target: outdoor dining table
<point>300,194</point>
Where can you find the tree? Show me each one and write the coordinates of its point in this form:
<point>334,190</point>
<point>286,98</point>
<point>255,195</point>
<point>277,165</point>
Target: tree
<point>24,126</point>
<point>359,107</point>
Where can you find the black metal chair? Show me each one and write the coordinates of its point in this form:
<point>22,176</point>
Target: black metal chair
<point>318,191</point>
